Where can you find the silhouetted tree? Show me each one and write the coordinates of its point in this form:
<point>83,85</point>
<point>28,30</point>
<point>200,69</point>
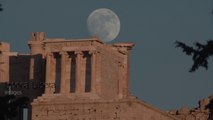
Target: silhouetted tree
<point>210,107</point>
<point>200,53</point>
<point>1,9</point>
<point>9,106</point>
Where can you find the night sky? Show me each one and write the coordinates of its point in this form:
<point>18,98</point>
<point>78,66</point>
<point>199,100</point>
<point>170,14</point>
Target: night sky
<point>159,71</point>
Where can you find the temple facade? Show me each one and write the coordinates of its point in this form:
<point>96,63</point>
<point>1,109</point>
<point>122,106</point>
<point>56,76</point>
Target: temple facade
<point>76,79</point>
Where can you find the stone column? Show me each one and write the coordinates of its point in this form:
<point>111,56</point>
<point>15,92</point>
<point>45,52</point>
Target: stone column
<point>122,82</point>
<point>64,85</point>
<point>79,82</point>
<point>93,70</point>
<point>4,62</point>
<point>49,83</point>
<point>4,68</point>
<point>36,45</point>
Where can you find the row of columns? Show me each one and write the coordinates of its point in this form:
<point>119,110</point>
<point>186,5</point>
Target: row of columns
<point>64,81</point>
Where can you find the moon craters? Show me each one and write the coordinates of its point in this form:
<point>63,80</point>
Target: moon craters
<point>104,24</point>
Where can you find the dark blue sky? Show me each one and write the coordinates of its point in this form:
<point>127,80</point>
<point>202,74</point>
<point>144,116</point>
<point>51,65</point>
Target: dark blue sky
<point>159,71</point>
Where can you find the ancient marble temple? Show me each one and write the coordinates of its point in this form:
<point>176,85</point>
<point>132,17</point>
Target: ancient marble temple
<point>76,79</point>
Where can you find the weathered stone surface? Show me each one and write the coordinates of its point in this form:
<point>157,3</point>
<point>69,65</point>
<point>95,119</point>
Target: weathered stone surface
<point>183,111</point>
<point>204,102</point>
<point>120,109</point>
<point>202,112</point>
<point>4,62</point>
<point>80,79</point>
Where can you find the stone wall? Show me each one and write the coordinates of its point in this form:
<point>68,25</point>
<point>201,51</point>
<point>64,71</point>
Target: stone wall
<point>123,109</point>
<point>80,79</point>
<point>109,76</point>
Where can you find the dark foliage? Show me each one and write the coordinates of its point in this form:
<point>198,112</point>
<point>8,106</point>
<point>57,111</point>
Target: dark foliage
<point>1,9</point>
<point>210,107</point>
<point>200,53</point>
<point>9,106</point>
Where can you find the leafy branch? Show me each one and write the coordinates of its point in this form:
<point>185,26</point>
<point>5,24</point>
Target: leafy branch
<point>200,53</point>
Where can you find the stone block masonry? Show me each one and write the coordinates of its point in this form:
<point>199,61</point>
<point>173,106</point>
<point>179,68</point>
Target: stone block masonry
<point>75,79</point>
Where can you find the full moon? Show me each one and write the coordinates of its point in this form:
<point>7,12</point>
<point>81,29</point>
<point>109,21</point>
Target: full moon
<point>104,24</point>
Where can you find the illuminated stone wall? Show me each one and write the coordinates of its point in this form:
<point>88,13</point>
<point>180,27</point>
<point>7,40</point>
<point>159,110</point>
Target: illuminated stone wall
<point>75,79</point>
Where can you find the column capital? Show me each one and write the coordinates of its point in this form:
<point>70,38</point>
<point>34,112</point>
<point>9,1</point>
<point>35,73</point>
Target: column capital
<point>93,52</point>
<point>65,53</point>
<point>49,54</point>
<point>78,52</point>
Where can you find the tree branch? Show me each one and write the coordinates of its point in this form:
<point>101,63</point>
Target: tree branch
<point>200,53</point>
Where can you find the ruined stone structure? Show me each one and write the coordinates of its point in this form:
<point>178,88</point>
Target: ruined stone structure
<point>80,79</point>
<point>203,112</point>
<point>4,61</point>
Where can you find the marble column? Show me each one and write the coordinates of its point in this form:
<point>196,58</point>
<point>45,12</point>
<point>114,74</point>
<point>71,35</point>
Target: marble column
<point>64,85</point>
<point>79,82</point>
<point>93,70</point>
<point>4,67</point>
<point>49,83</point>
<point>121,81</point>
